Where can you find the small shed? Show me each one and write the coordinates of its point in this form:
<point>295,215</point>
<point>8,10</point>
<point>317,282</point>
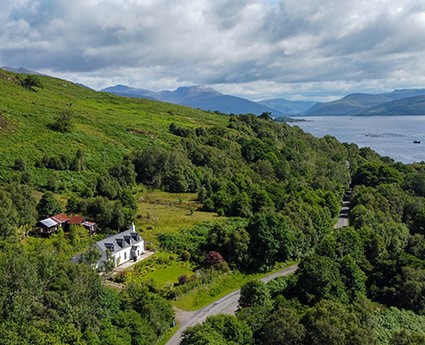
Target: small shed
<point>90,226</point>
<point>48,226</point>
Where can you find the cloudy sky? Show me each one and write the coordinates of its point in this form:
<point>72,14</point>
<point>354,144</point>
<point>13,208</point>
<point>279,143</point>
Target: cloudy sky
<point>295,49</point>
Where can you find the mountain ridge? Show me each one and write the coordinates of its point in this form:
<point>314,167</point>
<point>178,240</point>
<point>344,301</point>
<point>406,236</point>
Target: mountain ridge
<point>199,96</point>
<point>356,104</point>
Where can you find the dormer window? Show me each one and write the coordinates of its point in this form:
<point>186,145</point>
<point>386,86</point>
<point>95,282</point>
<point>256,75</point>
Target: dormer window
<point>120,242</point>
<point>110,246</point>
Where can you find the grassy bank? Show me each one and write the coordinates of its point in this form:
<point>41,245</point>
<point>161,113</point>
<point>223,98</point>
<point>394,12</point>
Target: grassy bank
<point>220,286</point>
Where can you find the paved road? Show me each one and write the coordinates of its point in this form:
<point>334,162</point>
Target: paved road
<point>343,214</point>
<point>225,305</point>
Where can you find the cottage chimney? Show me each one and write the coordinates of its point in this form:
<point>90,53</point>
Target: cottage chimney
<point>132,227</point>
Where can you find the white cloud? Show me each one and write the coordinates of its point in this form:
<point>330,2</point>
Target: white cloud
<point>256,48</point>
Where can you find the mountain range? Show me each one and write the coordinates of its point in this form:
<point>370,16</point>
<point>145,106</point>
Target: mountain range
<point>398,102</point>
<point>201,97</point>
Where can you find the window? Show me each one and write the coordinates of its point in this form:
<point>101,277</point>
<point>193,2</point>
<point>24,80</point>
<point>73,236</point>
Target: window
<point>125,256</point>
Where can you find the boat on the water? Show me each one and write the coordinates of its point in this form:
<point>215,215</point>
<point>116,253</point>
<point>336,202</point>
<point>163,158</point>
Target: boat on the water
<point>416,141</point>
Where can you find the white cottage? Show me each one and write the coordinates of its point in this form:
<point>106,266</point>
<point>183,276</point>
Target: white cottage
<point>123,247</point>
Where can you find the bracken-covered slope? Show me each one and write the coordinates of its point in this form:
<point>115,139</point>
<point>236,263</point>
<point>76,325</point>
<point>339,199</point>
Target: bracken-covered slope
<point>104,126</point>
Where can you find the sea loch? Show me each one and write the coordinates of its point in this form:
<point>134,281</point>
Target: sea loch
<point>399,137</point>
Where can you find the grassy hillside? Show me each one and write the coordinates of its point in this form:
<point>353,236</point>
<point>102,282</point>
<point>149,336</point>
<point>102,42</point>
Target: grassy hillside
<point>241,165</point>
<point>406,106</point>
<point>105,127</point>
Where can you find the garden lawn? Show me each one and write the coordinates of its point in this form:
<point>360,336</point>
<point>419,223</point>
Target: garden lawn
<point>168,275</point>
<point>161,269</point>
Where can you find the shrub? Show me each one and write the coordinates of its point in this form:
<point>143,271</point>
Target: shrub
<point>213,258</point>
<point>182,279</point>
<point>31,81</point>
<point>63,122</point>
<point>185,255</point>
<point>19,164</point>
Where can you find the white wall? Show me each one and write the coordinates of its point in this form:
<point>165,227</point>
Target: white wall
<point>119,256</point>
<point>126,252</point>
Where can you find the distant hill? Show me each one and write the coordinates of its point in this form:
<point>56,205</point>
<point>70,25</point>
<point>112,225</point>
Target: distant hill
<point>397,102</point>
<point>84,86</point>
<point>288,107</point>
<point>405,106</point>
<point>127,91</point>
<point>201,97</point>
<point>188,94</point>
<point>19,70</point>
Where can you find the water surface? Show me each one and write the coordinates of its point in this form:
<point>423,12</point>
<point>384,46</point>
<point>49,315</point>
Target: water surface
<point>391,136</point>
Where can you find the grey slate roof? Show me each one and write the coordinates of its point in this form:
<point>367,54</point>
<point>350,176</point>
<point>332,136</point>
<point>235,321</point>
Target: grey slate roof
<point>117,242</point>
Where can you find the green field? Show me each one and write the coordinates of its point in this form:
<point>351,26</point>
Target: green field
<point>160,212</point>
